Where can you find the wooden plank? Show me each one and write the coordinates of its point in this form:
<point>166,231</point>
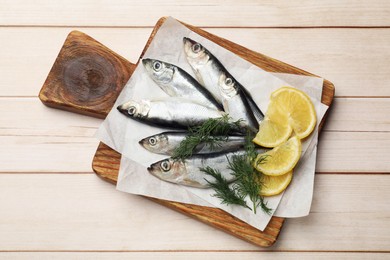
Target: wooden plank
<point>337,150</point>
<point>15,112</point>
<point>47,154</point>
<point>82,212</point>
<point>362,152</point>
<point>200,13</point>
<point>354,152</point>
<point>359,114</point>
<point>318,231</point>
<point>348,114</point>
<point>347,193</point>
<point>191,255</point>
<point>355,60</point>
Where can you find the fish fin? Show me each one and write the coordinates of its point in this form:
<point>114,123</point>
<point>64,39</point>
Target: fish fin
<point>194,184</point>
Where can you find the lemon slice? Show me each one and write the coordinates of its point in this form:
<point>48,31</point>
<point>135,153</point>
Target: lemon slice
<point>293,107</point>
<point>280,159</point>
<point>274,185</point>
<point>272,134</point>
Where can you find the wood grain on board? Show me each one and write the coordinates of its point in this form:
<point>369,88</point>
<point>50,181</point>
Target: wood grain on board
<point>86,77</point>
<point>73,93</point>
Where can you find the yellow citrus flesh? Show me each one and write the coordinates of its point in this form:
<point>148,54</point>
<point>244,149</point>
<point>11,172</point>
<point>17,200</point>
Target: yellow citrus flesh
<point>290,106</point>
<point>280,159</point>
<point>274,185</point>
<point>272,134</point>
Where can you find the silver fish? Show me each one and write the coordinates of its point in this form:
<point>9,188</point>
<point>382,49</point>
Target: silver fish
<point>209,71</point>
<point>168,142</point>
<point>235,102</point>
<point>178,83</point>
<point>172,112</point>
<point>187,172</point>
<point>205,66</point>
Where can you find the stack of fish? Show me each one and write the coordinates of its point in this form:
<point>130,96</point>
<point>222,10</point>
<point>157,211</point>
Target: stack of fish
<point>213,94</point>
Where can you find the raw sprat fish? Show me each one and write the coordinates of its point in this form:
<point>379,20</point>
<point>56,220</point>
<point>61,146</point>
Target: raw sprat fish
<point>234,101</point>
<point>188,172</point>
<point>214,76</point>
<point>177,83</point>
<point>167,142</point>
<point>204,65</point>
<point>171,113</point>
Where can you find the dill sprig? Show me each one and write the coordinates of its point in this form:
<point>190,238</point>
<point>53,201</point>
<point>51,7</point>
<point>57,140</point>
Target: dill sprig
<point>248,180</point>
<point>212,132</point>
<point>246,184</point>
<point>223,191</point>
<point>264,206</point>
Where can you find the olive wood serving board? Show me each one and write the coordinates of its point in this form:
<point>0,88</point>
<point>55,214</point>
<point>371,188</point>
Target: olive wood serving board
<point>87,77</point>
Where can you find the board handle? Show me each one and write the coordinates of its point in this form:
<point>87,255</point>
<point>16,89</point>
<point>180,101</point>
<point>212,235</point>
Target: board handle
<point>86,77</point>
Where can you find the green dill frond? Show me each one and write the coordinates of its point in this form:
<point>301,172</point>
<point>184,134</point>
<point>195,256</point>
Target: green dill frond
<point>188,146</point>
<point>248,179</point>
<point>261,159</point>
<point>223,191</point>
<point>250,147</point>
<point>212,132</point>
<point>246,183</point>
<point>263,205</point>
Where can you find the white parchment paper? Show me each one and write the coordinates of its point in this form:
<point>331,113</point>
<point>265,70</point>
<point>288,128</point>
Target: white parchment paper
<point>122,133</point>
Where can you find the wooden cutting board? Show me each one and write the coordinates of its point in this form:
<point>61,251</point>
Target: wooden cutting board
<point>87,77</point>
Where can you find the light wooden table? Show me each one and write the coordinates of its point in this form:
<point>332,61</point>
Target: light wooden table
<point>53,206</point>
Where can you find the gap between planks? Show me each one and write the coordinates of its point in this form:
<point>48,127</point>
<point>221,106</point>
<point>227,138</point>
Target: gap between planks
<point>335,97</point>
<point>201,27</point>
<point>192,251</point>
<point>202,13</point>
<point>91,172</point>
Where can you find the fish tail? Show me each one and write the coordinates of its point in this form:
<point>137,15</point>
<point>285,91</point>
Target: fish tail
<point>258,114</point>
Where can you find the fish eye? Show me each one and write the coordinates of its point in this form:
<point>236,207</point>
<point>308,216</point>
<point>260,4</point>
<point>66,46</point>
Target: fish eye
<point>165,165</point>
<point>132,110</point>
<point>152,141</point>
<point>196,47</point>
<point>228,81</point>
<point>157,65</point>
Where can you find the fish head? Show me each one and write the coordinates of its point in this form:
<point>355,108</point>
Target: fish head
<point>196,54</point>
<point>168,170</point>
<point>161,72</point>
<point>155,143</point>
<point>135,109</point>
<point>227,85</point>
